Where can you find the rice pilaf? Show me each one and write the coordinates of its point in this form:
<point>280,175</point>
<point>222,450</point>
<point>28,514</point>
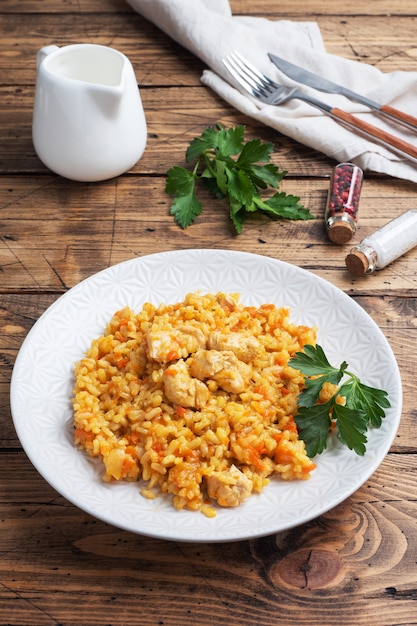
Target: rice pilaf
<point>195,399</point>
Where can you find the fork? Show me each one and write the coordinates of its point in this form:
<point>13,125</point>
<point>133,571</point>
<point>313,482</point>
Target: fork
<point>267,91</point>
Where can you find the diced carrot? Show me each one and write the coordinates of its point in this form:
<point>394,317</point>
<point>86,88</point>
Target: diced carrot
<point>127,465</point>
<point>291,425</point>
<point>171,372</point>
<point>283,456</point>
<point>191,455</point>
<point>260,389</point>
<point>133,438</point>
<point>280,359</point>
<point>277,436</point>
<point>309,468</point>
<point>83,435</point>
<point>254,458</point>
<point>253,452</point>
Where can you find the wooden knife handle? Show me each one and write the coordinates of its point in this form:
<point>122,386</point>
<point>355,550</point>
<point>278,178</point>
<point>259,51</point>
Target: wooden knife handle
<point>409,120</point>
<point>375,132</point>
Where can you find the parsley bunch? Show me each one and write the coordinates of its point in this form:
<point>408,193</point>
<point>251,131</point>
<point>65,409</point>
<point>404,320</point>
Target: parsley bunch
<point>364,405</point>
<point>233,170</point>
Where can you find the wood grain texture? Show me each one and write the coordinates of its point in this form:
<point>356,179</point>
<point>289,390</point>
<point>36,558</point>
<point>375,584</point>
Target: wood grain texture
<point>355,565</point>
<point>387,43</point>
<point>308,8</point>
<point>48,225</point>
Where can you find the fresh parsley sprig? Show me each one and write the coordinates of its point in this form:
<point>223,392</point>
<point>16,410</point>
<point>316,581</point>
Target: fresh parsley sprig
<point>364,405</point>
<point>233,170</point>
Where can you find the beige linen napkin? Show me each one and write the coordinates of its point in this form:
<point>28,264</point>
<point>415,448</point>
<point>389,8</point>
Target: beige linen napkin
<point>209,30</point>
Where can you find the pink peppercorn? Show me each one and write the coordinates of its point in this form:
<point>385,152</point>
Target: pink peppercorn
<point>343,202</point>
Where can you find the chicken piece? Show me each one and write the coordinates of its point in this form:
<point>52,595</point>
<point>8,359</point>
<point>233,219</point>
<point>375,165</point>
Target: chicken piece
<point>180,388</point>
<point>223,367</point>
<point>230,487</point>
<point>228,300</point>
<point>173,344</point>
<point>120,465</point>
<point>198,332</point>
<point>244,347</point>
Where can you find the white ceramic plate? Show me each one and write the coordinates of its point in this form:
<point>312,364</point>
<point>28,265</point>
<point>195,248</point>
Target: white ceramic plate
<point>42,384</point>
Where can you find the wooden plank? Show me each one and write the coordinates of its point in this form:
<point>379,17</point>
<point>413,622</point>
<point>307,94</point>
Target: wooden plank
<point>301,10</point>
<point>54,232</point>
<point>387,43</point>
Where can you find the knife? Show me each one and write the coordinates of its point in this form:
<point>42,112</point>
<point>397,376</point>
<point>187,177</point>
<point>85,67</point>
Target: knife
<point>322,84</point>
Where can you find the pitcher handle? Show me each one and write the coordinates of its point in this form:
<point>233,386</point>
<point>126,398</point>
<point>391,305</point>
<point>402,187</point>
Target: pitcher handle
<point>43,52</point>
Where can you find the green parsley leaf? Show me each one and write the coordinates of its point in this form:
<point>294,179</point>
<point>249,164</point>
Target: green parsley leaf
<point>255,152</point>
<point>219,174</point>
<point>237,216</point>
<point>185,207</point>
<point>352,425</point>
<point>233,170</point>
<point>224,142</point>
<point>282,205</point>
<point>314,424</point>
<point>359,395</point>
<point>264,175</point>
<point>313,362</point>
<point>363,405</point>
<point>240,188</point>
<point>179,181</point>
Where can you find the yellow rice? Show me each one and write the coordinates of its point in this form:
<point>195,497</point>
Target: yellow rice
<point>123,416</point>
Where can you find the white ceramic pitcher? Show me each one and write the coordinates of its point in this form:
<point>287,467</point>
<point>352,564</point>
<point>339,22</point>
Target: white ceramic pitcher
<point>88,118</point>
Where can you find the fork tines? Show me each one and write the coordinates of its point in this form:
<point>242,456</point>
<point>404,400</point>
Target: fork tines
<point>248,76</point>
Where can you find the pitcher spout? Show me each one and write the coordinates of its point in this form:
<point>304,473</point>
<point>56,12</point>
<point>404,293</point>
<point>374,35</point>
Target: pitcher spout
<point>107,99</point>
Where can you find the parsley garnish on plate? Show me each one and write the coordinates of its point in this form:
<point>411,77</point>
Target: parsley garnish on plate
<point>234,170</point>
<point>363,407</point>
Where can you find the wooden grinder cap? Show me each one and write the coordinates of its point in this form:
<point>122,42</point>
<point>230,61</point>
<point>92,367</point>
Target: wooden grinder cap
<point>340,232</point>
<point>357,263</point>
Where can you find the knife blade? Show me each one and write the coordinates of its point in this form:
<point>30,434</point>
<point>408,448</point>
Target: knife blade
<point>306,77</point>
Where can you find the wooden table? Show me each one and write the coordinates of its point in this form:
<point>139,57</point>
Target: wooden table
<point>357,564</point>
